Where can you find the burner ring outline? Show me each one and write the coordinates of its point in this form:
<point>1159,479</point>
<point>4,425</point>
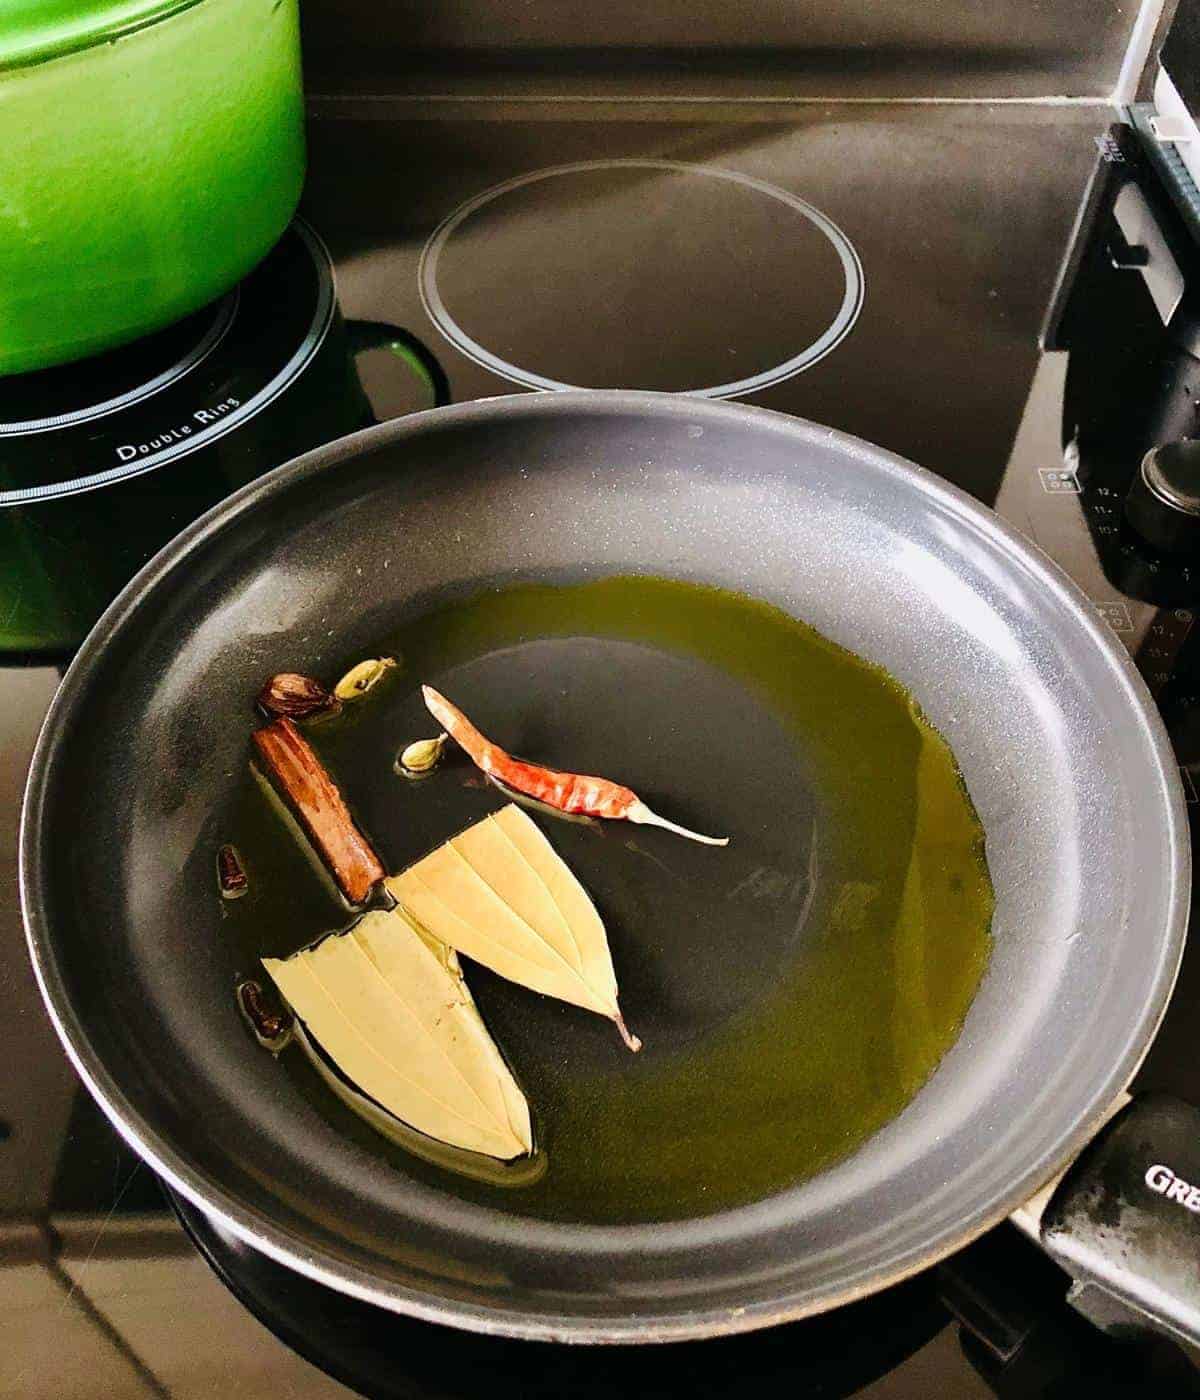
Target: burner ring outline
<point>837,330</point>
<point>208,342</point>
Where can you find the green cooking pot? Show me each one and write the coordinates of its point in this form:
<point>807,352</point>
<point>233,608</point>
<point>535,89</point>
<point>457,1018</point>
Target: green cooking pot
<point>151,152</point>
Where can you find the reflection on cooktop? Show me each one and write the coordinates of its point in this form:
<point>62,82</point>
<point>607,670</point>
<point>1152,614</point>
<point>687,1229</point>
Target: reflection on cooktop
<point>66,395</point>
<point>384,1355</point>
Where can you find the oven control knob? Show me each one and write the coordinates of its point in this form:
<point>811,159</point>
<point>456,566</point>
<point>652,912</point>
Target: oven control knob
<point>1163,504</point>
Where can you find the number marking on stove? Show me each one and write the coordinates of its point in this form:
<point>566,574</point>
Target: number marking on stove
<point>1116,614</point>
<point>1110,152</point>
<point>1057,481</point>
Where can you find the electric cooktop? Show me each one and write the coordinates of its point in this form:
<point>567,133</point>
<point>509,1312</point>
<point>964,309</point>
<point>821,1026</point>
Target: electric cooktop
<point>1000,292</point>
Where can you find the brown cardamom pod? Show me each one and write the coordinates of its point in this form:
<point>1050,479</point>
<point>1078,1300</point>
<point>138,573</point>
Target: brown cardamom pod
<point>293,696</point>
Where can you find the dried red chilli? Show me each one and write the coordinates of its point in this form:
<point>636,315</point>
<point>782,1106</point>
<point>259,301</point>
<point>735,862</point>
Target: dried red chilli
<point>231,874</point>
<point>575,793</point>
<point>272,1029</point>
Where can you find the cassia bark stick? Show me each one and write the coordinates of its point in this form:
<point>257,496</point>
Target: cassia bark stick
<point>312,794</point>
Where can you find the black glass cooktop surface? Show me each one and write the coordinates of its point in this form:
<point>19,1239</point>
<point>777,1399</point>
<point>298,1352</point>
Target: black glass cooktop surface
<point>679,276</point>
<point>888,270</point>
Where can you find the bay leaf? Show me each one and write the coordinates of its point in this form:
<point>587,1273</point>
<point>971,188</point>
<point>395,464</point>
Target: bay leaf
<point>501,894</point>
<point>387,1003</point>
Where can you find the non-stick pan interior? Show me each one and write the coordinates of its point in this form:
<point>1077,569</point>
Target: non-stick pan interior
<point>1062,755</point>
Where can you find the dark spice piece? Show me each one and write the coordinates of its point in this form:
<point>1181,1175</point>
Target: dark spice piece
<point>295,696</point>
<point>313,796</point>
<point>231,874</point>
<point>272,1029</point>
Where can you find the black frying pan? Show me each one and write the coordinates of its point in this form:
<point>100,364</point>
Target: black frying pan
<point>141,766</point>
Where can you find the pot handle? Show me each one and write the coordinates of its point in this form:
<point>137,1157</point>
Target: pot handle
<point>1124,1220</point>
<point>379,335</point>
<point>1024,1342</point>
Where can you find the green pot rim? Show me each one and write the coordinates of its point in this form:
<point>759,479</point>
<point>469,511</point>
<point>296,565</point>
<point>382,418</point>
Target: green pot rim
<point>39,31</point>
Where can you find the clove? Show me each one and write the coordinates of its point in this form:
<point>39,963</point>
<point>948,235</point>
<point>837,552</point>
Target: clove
<point>272,1029</point>
<point>231,873</point>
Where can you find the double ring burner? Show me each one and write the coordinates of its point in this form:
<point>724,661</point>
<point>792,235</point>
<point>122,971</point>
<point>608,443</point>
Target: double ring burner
<point>82,427</point>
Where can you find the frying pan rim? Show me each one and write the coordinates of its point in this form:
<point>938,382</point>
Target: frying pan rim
<point>685,1324</point>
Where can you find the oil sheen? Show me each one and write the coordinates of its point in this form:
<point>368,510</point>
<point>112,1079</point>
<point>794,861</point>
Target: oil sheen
<point>794,991</point>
